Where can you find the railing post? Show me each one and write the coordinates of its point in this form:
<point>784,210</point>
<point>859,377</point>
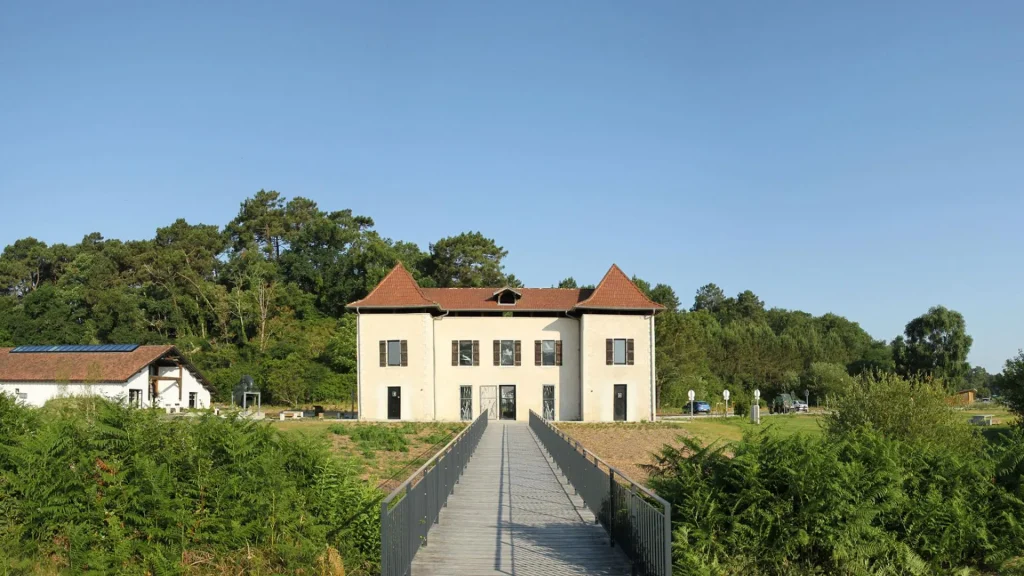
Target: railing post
<point>668,539</point>
<point>611,506</point>
<point>385,565</point>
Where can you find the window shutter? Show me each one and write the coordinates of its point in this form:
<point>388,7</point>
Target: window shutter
<point>519,353</point>
<point>476,352</point>
<point>629,351</point>
<point>536,352</point>
<point>455,352</point>
<point>558,352</point>
<point>383,353</point>
<point>405,352</point>
<point>497,352</point>
<point>608,352</point>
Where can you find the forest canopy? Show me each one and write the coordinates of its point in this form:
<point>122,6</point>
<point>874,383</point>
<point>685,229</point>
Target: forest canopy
<point>265,295</point>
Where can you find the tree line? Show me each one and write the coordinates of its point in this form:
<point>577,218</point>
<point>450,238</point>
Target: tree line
<point>265,295</point>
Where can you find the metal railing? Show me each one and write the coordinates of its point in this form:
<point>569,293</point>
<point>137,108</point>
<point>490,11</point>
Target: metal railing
<point>407,514</point>
<point>636,519</point>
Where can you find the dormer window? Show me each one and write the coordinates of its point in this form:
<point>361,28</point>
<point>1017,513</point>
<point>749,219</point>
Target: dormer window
<point>508,296</point>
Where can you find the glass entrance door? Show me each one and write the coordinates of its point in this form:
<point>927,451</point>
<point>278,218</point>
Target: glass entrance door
<point>508,402</point>
<point>549,402</point>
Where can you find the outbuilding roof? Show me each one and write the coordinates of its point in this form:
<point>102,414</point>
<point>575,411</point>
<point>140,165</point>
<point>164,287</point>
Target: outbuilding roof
<point>399,290</point>
<point>79,367</point>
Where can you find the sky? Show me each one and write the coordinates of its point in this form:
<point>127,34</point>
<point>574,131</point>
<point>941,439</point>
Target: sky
<point>860,158</point>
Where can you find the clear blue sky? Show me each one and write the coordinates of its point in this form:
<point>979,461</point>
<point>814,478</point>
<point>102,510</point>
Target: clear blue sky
<point>864,158</point>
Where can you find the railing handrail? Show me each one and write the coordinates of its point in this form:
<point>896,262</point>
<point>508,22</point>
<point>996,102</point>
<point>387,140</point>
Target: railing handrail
<point>433,460</point>
<point>598,460</point>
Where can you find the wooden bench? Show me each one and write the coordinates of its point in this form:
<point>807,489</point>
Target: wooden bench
<point>293,414</point>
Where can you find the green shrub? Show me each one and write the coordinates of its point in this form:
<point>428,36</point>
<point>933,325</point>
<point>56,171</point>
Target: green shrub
<point>373,437</point>
<point>914,410</point>
<point>858,503</point>
<point>100,488</point>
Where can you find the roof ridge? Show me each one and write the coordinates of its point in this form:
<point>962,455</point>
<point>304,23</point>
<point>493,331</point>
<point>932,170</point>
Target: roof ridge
<point>635,300</point>
<point>398,277</point>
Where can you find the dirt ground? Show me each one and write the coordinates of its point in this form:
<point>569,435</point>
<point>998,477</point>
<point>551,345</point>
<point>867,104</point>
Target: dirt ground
<point>624,446</point>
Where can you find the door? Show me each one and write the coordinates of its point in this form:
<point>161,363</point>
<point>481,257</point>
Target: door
<point>192,397</point>
<point>548,408</point>
<point>466,402</point>
<point>394,403</point>
<point>489,401</point>
<point>620,402</point>
<point>508,402</point>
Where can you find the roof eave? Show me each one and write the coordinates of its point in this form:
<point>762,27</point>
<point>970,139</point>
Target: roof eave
<point>655,309</point>
<point>357,305</point>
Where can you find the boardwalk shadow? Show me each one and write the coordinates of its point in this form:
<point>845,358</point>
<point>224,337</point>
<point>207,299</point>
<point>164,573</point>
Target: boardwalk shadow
<point>559,550</point>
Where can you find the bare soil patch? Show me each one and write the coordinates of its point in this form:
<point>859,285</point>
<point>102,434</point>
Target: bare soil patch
<point>627,447</point>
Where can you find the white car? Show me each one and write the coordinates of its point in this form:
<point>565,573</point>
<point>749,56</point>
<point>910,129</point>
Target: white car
<point>799,406</point>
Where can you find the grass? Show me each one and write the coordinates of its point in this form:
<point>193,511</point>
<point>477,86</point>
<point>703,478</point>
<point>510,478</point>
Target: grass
<point>384,453</point>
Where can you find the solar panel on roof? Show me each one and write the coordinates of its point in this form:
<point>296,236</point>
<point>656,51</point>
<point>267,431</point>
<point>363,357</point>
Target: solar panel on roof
<point>75,348</point>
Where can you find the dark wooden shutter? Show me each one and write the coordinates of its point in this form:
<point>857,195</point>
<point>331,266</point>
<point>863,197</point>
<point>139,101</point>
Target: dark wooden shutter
<point>476,352</point>
<point>383,353</point>
<point>405,352</point>
<point>536,353</point>
<point>455,352</point>
<point>497,352</point>
<point>558,352</point>
<point>608,351</point>
<point>629,351</point>
<point>519,353</point>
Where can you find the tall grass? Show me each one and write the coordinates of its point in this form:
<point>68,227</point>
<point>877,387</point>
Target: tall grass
<point>105,489</point>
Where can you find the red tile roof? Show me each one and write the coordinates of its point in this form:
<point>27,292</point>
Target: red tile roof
<point>77,366</point>
<point>540,299</point>
<point>617,292</point>
<point>399,290</point>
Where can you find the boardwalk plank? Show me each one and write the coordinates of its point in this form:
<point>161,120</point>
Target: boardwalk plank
<point>512,513</point>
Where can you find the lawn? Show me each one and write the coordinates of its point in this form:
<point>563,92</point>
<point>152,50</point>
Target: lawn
<point>630,446</point>
<point>385,454</point>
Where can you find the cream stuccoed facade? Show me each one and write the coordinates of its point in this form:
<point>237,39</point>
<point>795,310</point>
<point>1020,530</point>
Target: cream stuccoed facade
<point>429,354</point>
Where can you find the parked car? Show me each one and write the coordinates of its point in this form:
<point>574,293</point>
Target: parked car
<point>799,406</point>
<point>701,407</point>
<point>783,404</point>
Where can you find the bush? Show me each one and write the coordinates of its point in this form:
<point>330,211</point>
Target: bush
<point>1011,385</point>
<point>856,504</point>
<point>914,410</point>
<point>101,488</point>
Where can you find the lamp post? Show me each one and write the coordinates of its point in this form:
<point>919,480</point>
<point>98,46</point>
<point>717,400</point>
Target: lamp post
<point>691,396</point>
<point>725,394</point>
<point>755,410</point>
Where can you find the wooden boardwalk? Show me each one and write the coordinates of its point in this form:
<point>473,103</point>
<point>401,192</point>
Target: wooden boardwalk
<point>513,513</point>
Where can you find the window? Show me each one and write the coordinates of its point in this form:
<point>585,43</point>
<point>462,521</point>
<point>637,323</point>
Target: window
<point>394,353</point>
<point>507,298</point>
<point>466,402</point>
<point>20,395</point>
<point>619,351</point>
<point>548,408</point>
<point>135,398</point>
<point>465,352</point>
<point>547,352</point>
<point>193,398</point>
<point>508,353</point>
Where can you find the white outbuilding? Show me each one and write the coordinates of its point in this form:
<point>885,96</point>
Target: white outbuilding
<point>144,376</point>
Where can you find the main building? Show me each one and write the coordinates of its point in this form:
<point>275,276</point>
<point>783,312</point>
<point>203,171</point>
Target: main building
<point>450,353</point>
